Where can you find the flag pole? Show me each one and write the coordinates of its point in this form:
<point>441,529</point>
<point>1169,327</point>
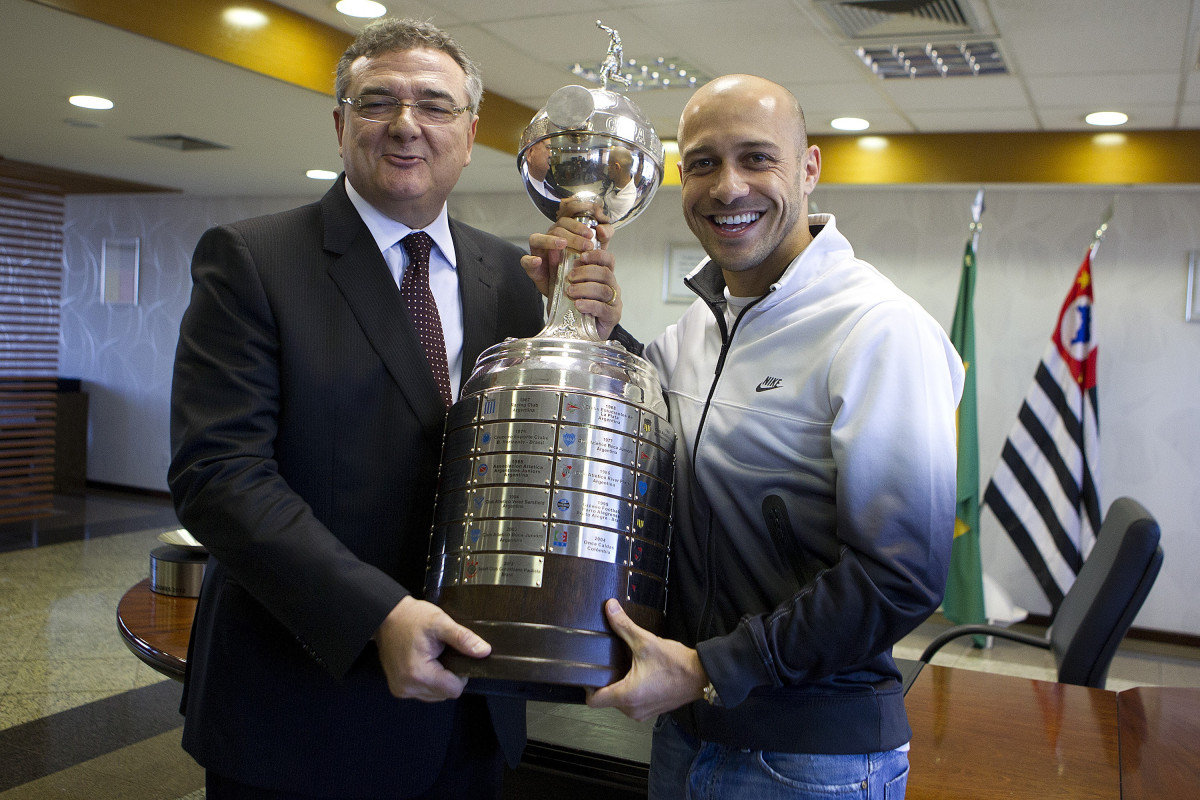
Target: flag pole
<point>976,215</point>
<point>1107,218</point>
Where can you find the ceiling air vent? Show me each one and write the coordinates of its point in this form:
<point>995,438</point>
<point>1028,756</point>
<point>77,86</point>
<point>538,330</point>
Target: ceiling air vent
<point>177,141</point>
<point>899,19</point>
<point>916,38</point>
<point>933,60</point>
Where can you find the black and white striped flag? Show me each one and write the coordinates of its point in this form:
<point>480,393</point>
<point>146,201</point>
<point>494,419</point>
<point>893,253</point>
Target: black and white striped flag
<point>1045,490</point>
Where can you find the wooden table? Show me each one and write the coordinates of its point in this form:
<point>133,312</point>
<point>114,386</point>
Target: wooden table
<point>1160,737</point>
<point>986,736</point>
<point>156,627</point>
<point>975,734</point>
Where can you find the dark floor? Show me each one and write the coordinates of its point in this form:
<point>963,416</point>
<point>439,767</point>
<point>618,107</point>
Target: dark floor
<point>89,516</point>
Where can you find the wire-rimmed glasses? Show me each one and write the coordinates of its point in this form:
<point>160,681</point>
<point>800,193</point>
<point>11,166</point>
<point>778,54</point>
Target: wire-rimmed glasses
<point>385,108</point>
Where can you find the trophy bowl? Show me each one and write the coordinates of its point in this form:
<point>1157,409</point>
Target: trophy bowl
<point>590,153</point>
<point>558,460</point>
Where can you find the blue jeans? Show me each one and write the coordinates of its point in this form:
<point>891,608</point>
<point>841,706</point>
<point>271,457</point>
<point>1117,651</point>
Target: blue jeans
<point>685,768</point>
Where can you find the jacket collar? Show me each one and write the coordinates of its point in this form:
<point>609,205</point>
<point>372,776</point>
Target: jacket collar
<point>340,222</point>
<point>828,246</point>
<point>362,276</point>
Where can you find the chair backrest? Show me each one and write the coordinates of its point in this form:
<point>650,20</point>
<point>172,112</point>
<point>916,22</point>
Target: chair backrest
<point>1107,593</point>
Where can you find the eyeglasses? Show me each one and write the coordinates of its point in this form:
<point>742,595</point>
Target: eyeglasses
<point>385,108</point>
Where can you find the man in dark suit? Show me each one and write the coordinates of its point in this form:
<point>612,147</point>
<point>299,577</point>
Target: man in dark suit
<point>306,430</point>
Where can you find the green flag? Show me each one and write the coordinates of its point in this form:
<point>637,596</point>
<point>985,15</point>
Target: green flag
<point>963,603</point>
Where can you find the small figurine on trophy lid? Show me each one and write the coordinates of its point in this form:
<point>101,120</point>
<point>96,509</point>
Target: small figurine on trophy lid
<point>614,59</point>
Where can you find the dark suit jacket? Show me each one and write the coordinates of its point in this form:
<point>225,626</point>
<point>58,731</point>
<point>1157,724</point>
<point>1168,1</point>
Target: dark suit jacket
<point>306,430</point>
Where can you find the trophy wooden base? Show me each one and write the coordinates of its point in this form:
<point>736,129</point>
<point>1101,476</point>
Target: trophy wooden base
<point>548,644</point>
<point>540,662</point>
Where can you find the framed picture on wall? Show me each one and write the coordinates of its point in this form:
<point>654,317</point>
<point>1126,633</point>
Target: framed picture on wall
<point>119,263</point>
<point>1191,311</point>
<point>681,259</point>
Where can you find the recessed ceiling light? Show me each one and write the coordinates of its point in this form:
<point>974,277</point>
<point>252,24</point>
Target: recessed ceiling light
<point>242,17</point>
<point>1106,118</point>
<point>850,124</point>
<point>363,9</point>
<point>320,175</point>
<point>89,101</point>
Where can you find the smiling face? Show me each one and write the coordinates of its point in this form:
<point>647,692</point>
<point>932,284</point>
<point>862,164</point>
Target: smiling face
<point>404,169</point>
<point>747,172</point>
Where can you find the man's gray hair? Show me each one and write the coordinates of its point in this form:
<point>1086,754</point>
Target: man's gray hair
<point>392,34</point>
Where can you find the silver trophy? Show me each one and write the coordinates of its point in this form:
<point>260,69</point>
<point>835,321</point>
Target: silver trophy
<point>558,461</point>
<point>589,154</point>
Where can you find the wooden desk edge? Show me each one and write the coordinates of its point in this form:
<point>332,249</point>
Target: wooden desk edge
<point>170,664</point>
<point>1158,727</point>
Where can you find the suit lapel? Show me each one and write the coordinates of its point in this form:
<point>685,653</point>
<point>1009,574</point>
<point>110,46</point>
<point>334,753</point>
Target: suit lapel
<point>479,297</point>
<point>362,276</point>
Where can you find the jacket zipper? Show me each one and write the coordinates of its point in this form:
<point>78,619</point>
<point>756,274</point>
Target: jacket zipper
<point>726,342</point>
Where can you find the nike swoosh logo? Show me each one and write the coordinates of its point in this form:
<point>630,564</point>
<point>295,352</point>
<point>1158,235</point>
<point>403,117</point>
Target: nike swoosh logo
<point>769,384</point>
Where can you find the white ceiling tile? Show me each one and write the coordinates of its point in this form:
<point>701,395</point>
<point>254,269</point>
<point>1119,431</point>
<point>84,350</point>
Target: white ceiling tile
<point>567,38</point>
<point>933,94</point>
<point>509,72</point>
<point>1081,37</point>
<point>846,98</point>
<point>1189,116</point>
<point>824,102</point>
<point>974,119</point>
<point>762,37</point>
<point>1105,91</point>
<point>1191,93</point>
<point>490,11</point>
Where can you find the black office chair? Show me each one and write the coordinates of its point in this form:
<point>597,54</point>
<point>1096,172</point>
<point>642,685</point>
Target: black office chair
<point>1098,609</point>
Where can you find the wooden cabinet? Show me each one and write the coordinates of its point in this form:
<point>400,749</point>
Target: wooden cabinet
<point>70,442</point>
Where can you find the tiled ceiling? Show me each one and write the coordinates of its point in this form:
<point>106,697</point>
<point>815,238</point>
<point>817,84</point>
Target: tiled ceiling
<point>1064,58</point>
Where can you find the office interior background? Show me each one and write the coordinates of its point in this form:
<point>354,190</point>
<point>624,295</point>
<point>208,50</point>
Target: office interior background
<point>1049,180</point>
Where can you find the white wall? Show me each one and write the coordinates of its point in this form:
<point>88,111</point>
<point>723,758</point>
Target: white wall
<point>124,353</point>
<point>1033,241</point>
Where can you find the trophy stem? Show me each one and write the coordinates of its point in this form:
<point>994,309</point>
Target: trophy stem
<point>566,321</point>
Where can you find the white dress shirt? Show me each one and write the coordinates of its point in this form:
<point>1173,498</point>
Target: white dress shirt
<point>443,271</point>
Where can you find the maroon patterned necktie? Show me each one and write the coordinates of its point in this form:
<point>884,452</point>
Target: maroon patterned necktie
<point>414,289</point>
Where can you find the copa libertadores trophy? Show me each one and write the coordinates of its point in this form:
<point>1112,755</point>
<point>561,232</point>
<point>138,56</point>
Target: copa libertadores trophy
<point>558,460</point>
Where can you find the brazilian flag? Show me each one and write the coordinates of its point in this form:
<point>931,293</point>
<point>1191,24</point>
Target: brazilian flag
<point>963,603</point>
